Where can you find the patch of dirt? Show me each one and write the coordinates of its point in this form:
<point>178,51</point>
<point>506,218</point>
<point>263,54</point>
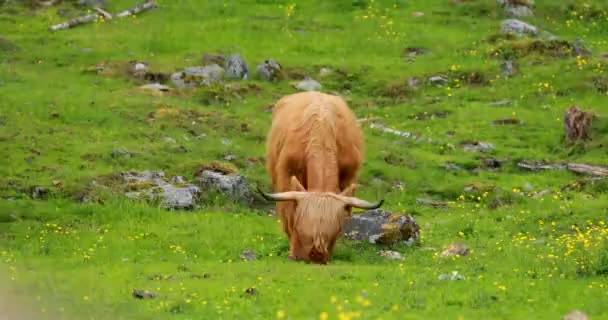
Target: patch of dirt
<point>132,69</point>
<point>395,92</point>
<point>548,48</point>
<point>224,94</point>
<point>296,73</point>
<point>217,166</point>
<point>508,121</point>
<point>429,115</point>
<point>7,46</point>
<point>472,78</point>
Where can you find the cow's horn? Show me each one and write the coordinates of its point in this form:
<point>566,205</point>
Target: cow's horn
<point>281,196</point>
<point>362,204</point>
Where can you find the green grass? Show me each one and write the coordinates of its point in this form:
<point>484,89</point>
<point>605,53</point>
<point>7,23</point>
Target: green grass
<point>60,122</point>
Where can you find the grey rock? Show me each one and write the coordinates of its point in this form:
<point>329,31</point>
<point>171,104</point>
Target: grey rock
<point>39,192</point>
<point>93,3</point>
<point>432,203</point>
<point>453,276</point>
<point>391,255</point>
<point>235,186</point>
<point>382,227</point>
<point>198,76</point>
<point>477,146</point>
<point>455,249</point>
<point>155,87</point>
<point>177,79</point>
<point>576,315</point>
<point>451,166</point>
<point>528,187</point>
<point>580,49</point>
<point>169,140</point>
<point>509,68</point>
<point>518,27</point>
<point>236,67</point>
<point>438,80</point>
<point>269,70</point>
<point>323,72</point>
<point>308,84</point>
<point>413,82</point>
<point>412,52</point>
<point>176,194</point>
<point>501,103</point>
<point>120,153</point>
<point>519,11</point>
<point>248,255</point>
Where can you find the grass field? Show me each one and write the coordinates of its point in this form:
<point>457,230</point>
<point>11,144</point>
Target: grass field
<point>532,257</point>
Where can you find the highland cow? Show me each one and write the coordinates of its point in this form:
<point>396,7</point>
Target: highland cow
<point>313,154</point>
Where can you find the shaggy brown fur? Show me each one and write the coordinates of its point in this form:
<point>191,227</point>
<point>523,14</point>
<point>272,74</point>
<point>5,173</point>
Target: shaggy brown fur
<point>315,147</point>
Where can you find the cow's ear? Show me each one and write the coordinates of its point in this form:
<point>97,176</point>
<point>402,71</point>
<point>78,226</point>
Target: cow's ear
<point>349,191</point>
<point>296,185</point>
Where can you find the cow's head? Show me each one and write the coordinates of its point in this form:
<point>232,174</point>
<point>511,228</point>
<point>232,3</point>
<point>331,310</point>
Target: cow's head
<point>318,218</point>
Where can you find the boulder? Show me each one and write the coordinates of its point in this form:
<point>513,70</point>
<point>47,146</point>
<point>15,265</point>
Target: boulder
<point>455,249</point>
<point>509,68</point>
<point>235,186</point>
<point>382,227</point>
<point>198,76</point>
<point>518,27</point>
<point>477,146</point>
<point>236,67</point>
<point>308,84</point>
<point>152,186</point>
<point>269,70</point>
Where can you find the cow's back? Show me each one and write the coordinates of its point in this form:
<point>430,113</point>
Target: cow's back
<point>288,136</point>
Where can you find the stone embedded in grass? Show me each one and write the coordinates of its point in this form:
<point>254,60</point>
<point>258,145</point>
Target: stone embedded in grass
<point>517,8</point>
<point>235,186</point>
<point>507,121</point>
<point>250,292</point>
<point>155,89</point>
<point>518,27</point>
<point>144,294</point>
<point>198,76</point>
<point>438,80</point>
<point>92,3</point>
<point>501,103</point>
<point>213,58</point>
<point>39,193</point>
<point>247,255</point>
<point>154,187</point>
<point>236,67</point>
<point>453,276</point>
<point>477,146</point>
<point>121,153</point>
<point>491,163</point>
<point>450,166</point>
<point>432,203</point>
<point>308,84</point>
<point>269,70</point>
<point>509,68</point>
<point>575,315</point>
<point>455,249</point>
<point>391,255</point>
<point>382,227</point>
